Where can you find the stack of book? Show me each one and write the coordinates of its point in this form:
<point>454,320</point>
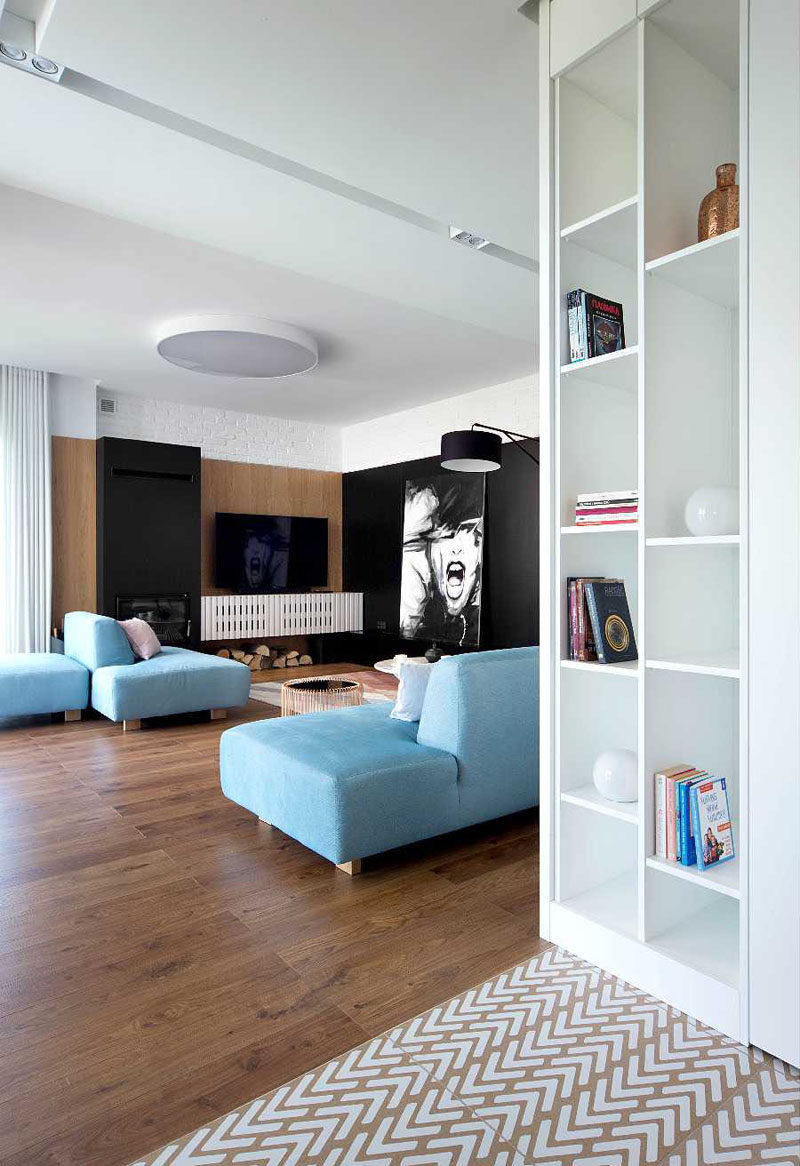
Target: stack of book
<point>600,626</point>
<point>606,508</point>
<point>693,819</point>
<point>596,325</point>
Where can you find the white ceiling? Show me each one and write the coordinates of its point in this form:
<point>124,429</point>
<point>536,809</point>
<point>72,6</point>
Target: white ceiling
<point>83,294</point>
<point>429,103</point>
<point>429,106</point>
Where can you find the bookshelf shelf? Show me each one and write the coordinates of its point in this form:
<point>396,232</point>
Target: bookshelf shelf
<point>607,528</point>
<point>724,880</point>
<point>616,370</point>
<point>689,540</point>
<point>610,233</point>
<point>612,903</point>
<point>629,670</point>
<point>666,416</point>
<point>590,798</point>
<point>709,269</point>
<point>703,664</point>
<point>706,940</point>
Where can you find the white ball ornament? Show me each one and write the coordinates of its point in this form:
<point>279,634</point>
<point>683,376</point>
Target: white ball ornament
<point>615,775</point>
<point>713,510</point>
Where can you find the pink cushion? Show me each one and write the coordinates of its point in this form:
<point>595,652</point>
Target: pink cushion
<point>143,639</point>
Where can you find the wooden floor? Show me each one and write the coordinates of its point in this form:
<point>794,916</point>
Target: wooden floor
<point>164,957</point>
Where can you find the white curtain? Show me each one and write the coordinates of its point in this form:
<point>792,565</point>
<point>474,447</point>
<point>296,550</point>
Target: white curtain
<point>25,518</point>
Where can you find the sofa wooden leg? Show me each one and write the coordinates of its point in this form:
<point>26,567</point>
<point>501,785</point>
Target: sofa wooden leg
<point>131,726</point>
<point>350,868</point>
<point>218,714</point>
<point>72,714</point>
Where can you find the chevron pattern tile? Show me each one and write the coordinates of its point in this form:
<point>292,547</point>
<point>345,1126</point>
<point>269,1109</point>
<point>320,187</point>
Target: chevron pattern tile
<point>759,1124</point>
<point>553,1062</point>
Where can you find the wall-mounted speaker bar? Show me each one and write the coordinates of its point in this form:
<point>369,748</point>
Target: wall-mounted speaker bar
<point>160,475</point>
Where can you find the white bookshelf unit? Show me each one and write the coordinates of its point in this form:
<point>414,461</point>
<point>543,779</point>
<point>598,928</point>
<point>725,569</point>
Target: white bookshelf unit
<point>633,129</point>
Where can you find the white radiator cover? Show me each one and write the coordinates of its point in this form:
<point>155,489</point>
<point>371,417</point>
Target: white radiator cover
<point>249,617</point>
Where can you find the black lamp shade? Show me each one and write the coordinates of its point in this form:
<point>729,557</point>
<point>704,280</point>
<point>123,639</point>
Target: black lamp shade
<point>471,451</point>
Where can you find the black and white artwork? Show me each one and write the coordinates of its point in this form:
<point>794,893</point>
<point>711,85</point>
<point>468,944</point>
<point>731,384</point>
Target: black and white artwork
<point>440,590</point>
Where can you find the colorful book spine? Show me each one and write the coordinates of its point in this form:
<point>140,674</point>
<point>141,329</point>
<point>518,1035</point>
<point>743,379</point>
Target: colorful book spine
<point>671,777</point>
<point>661,815</point>
<point>580,601</point>
<point>573,620</point>
<point>602,495</point>
<point>575,350</point>
<point>597,631</point>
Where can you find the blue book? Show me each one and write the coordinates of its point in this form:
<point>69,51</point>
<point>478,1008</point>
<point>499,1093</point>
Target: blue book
<point>711,820</point>
<point>688,853</point>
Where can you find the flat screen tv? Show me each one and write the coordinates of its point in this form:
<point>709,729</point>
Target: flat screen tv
<point>261,553</point>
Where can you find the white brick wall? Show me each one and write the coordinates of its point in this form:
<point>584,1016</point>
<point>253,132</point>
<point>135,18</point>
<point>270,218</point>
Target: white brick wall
<point>223,434</point>
<point>249,437</point>
<point>416,433</point>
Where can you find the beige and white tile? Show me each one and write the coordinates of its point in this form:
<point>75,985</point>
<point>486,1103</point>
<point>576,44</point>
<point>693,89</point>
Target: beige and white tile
<point>572,1065</point>
<point>759,1124</point>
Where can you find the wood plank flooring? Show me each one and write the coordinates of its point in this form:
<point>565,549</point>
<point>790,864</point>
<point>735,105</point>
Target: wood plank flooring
<point>164,957</point>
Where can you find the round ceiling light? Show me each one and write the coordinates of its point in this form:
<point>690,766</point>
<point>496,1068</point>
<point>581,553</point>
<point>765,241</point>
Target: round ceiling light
<point>12,52</point>
<point>237,346</point>
<point>44,65</point>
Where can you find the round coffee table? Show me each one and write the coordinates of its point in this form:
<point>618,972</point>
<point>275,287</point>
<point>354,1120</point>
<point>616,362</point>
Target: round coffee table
<point>319,695</point>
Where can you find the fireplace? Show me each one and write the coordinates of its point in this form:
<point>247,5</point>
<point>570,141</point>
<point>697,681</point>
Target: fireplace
<point>168,615</point>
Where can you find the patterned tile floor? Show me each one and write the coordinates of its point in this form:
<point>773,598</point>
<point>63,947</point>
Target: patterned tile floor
<point>552,1062</point>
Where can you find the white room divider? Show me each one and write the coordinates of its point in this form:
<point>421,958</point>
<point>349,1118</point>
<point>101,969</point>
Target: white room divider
<point>249,617</point>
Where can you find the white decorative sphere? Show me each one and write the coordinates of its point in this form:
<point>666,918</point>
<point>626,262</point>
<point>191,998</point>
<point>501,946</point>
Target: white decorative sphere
<point>615,775</point>
<point>713,510</point>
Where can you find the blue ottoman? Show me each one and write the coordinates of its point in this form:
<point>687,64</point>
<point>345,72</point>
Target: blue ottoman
<point>42,682</point>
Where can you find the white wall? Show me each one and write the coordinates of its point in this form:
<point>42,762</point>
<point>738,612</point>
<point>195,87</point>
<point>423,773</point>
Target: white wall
<point>73,407</point>
<point>223,434</point>
<point>416,433</point>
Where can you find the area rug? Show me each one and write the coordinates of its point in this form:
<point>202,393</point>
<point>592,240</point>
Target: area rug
<point>552,1062</point>
<point>378,687</point>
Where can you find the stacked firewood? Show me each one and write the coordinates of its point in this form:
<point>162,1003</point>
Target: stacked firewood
<point>260,657</point>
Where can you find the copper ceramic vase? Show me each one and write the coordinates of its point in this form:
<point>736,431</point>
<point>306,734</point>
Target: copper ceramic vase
<point>719,210</point>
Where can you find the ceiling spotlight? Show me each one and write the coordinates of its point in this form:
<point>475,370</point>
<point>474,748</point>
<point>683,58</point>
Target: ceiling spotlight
<point>468,238</point>
<point>19,58</point>
<point>12,52</point>
<point>44,65</point>
<point>237,346</point>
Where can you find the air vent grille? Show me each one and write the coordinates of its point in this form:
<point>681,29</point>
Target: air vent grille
<point>107,405</point>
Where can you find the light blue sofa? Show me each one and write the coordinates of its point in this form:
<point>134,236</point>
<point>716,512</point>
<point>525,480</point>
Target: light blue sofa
<point>177,680</point>
<point>355,782</point>
<point>32,683</point>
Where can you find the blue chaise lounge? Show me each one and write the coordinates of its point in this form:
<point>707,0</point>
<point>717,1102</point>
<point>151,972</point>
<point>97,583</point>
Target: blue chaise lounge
<point>356,782</point>
<point>177,680</point>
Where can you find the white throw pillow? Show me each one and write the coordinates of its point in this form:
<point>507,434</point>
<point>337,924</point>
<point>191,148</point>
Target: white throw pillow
<point>414,677</point>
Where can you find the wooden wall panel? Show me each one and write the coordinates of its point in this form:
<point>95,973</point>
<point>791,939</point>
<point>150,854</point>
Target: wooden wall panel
<point>243,488</point>
<point>74,526</point>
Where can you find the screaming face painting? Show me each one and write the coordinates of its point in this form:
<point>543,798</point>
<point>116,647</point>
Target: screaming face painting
<point>440,592</point>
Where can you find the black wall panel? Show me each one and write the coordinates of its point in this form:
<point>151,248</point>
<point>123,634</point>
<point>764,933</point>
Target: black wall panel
<point>372,504</point>
<point>148,522</point>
